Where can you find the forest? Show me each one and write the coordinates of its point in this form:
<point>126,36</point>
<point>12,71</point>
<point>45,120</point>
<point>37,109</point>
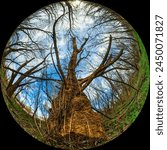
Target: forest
<point>75,75</point>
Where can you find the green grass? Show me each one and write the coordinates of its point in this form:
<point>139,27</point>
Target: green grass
<point>26,121</point>
<point>23,119</point>
<point>124,114</point>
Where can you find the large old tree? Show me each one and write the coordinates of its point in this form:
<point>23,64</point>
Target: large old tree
<point>77,57</point>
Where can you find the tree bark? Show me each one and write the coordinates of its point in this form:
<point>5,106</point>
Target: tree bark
<point>71,114</point>
<point>73,119</point>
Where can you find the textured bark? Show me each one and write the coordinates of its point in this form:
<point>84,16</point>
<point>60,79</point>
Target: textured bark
<point>71,115</point>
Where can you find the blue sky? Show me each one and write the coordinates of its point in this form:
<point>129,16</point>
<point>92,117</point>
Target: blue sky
<point>84,26</point>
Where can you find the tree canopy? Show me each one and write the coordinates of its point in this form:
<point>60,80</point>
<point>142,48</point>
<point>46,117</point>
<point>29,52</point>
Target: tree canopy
<point>38,53</point>
<point>76,69</point>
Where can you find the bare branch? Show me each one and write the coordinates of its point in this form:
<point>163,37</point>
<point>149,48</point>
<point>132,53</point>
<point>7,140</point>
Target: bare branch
<point>120,82</point>
<point>82,58</point>
<point>14,74</point>
<point>84,43</point>
<point>30,76</point>
<point>101,69</point>
<point>74,43</point>
<point>56,48</point>
<point>55,64</point>
<point>107,52</point>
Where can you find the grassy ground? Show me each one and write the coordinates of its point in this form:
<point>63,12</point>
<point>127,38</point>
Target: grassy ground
<point>125,113</point>
<point>26,121</point>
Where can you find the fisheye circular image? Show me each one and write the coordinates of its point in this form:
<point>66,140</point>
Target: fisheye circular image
<point>74,75</point>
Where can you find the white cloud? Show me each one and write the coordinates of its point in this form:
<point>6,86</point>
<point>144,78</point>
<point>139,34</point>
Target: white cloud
<point>76,2</point>
<point>101,50</point>
<point>62,55</point>
<point>61,42</point>
<point>105,85</point>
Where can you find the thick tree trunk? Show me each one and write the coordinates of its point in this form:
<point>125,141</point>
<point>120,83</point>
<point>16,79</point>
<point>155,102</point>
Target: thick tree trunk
<point>73,119</point>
